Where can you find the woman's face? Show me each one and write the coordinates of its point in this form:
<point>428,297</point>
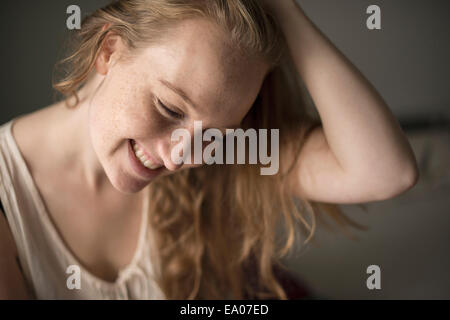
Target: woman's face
<point>190,74</point>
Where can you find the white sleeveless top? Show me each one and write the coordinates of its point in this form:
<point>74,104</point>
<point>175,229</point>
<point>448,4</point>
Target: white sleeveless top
<point>44,257</point>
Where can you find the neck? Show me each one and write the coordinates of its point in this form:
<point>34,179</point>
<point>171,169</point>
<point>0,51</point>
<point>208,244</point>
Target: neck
<point>70,132</point>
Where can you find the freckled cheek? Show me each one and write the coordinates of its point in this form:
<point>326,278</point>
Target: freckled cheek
<point>148,124</point>
<point>127,115</point>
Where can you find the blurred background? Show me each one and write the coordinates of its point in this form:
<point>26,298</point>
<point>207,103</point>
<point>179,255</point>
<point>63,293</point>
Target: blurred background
<point>407,61</point>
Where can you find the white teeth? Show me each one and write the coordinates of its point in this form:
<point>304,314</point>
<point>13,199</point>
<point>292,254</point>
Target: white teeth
<point>143,159</point>
<point>139,153</point>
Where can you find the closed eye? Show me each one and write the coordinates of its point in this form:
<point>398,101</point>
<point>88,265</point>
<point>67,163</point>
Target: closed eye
<point>169,111</point>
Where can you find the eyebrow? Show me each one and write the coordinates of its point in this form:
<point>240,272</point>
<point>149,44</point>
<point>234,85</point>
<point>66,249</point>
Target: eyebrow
<point>178,91</point>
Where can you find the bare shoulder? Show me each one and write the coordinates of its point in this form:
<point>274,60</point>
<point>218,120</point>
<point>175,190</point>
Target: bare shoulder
<point>27,128</point>
<point>30,131</point>
<point>12,283</point>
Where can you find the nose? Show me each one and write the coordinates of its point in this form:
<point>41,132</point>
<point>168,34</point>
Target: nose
<point>166,148</point>
<point>167,158</point>
<point>173,151</point>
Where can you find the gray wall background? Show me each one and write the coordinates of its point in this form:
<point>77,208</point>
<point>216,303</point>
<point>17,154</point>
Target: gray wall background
<point>407,61</point>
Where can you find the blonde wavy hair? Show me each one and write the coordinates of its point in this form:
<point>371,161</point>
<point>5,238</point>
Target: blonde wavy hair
<point>215,227</point>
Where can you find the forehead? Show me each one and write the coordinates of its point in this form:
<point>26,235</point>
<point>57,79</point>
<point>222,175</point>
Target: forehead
<point>197,57</point>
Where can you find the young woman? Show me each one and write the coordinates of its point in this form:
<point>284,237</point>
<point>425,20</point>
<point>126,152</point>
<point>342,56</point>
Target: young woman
<point>96,207</point>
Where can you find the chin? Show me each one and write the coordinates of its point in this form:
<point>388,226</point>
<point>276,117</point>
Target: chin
<point>124,183</point>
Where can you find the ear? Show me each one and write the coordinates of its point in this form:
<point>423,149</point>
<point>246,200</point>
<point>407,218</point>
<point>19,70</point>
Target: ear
<point>112,47</point>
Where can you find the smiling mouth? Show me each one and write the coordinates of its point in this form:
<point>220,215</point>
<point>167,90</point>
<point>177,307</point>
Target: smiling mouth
<point>141,156</point>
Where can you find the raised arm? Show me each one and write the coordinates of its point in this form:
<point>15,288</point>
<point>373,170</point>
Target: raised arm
<point>360,153</point>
